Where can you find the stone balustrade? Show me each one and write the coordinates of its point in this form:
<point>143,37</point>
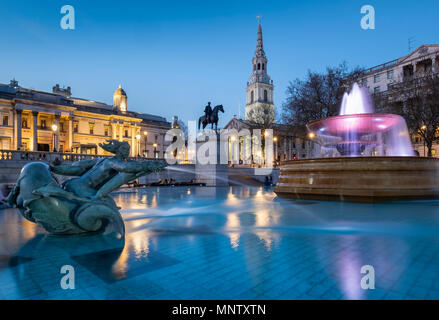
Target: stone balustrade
<point>13,155</point>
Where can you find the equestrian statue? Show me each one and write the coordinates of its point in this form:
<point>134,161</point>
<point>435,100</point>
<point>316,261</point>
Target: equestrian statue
<point>210,116</point>
<point>81,204</point>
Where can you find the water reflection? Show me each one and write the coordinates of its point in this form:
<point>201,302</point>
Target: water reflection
<point>248,232</point>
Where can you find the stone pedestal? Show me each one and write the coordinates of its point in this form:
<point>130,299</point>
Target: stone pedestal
<point>211,166</point>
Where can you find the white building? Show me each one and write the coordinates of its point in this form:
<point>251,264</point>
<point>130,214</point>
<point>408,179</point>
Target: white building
<point>380,78</point>
<point>259,116</point>
<point>396,74</point>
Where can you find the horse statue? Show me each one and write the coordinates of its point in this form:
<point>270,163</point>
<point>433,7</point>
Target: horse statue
<point>81,204</point>
<point>212,118</point>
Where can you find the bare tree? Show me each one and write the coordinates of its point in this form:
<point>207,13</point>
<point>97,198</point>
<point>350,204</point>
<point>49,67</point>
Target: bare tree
<point>417,101</point>
<point>318,96</point>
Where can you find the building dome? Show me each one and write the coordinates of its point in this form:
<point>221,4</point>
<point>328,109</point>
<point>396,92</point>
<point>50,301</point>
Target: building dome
<point>120,92</point>
<point>120,100</point>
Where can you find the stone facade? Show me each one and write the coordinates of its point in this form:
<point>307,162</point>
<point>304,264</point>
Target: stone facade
<point>382,78</point>
<point>397,75</point>
<point>32,120</point>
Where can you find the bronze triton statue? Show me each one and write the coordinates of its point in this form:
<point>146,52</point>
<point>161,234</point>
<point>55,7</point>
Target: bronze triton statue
<point>210,116</point>
<point>80,204</point>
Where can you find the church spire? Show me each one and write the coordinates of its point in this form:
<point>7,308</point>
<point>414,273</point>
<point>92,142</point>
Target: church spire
<point>259,43</point>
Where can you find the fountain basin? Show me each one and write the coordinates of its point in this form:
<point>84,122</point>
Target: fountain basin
<point>364,179</point>
<point>361,124</point>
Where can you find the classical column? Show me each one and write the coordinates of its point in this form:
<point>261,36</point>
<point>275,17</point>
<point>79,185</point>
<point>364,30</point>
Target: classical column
<point>285,148</point>
<point>433,64</point>
<point>57,132</point>
<point>34,131</point>
<point>113,130</point>
<point>133,142</point>
<point>19,112</point>
<point>120,131</point>
<point>71,134</point>
<point>290,150</point>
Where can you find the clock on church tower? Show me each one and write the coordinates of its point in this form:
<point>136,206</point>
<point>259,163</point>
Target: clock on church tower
<point>259,99</point>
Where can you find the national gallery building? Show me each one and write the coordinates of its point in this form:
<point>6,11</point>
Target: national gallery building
<point>32,120</point>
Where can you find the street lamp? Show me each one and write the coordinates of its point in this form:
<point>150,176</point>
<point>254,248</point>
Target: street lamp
<point>54,129</point>
<point>138,144</point>
<point>423,128</point>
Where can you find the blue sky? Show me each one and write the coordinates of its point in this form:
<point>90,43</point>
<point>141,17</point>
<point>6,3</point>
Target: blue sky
<point>174,56</point>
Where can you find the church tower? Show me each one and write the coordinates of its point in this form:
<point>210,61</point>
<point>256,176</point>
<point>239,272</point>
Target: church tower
<point>259,100</point>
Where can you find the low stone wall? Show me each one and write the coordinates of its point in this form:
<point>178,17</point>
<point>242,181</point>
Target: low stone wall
<point>11,163</point>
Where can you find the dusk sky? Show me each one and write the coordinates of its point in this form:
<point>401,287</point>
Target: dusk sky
<point>171,57</point>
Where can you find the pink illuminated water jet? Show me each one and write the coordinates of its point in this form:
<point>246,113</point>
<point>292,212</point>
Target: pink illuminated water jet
<point>358,131</point>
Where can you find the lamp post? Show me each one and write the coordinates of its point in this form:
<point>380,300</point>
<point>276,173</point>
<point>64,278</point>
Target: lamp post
<point>145,137</point>
<point>54,129</point>
<point>423,129</point>
<point>138,144</point>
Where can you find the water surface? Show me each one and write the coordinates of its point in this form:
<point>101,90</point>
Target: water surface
<point>230,243</point>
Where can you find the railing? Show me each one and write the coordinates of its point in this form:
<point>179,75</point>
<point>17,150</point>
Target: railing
<point>381,66</point>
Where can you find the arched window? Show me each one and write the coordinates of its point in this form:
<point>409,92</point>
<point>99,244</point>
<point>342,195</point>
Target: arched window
<point>265,95</point>
<point>259,66</point>
<point>252,97</point>
<point>263,66</point>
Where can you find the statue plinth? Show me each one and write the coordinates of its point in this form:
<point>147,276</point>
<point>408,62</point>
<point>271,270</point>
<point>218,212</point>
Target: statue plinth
<point>211,165</point>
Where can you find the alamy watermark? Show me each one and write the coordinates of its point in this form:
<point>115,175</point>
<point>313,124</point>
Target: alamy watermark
<point>368,20</point>
<point>227,146</point>
<point>368,280</point>
<point>68,281</point>
<point>68,20</point>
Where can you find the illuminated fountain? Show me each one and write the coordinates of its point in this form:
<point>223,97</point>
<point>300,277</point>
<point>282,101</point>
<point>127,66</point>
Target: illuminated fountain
<point>363,156</point>
<point>358,131</point>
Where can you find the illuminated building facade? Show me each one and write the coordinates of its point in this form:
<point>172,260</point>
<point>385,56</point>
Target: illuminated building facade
<point>32,120</point>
